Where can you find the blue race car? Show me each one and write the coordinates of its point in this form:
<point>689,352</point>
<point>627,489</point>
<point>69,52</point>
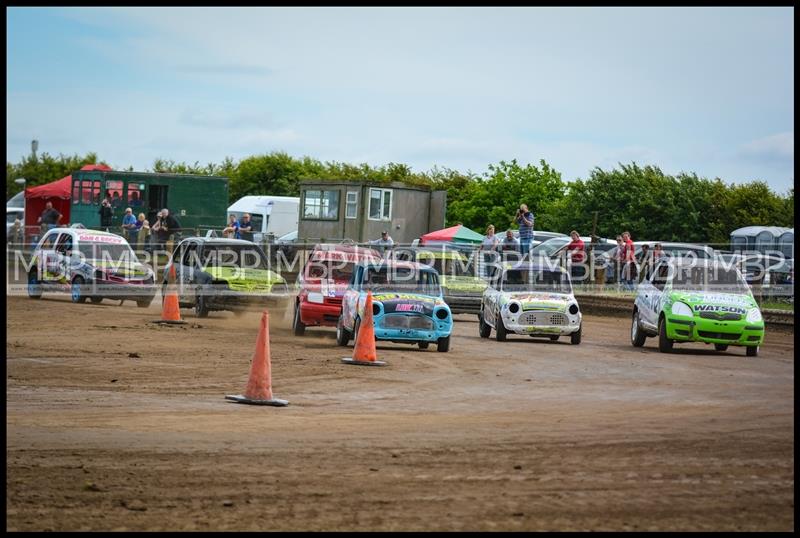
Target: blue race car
<point>407,304</point>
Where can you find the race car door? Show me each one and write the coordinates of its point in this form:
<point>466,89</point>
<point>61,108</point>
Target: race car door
<point>48,265</point>
<point>184,269</point>
<point>652,292</point>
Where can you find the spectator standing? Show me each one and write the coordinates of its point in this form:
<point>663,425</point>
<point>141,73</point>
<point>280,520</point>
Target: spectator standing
<point>170,229</point>
<point>644,260</point>
<point>50,217</point>
<point>509,242</point>
<point>143,231</point>
<point>488,248</point>
<point>129,229</point>
<point>384,243</point>
<point>658,253</point>
<point>106,214</point>
<point>629,262</point>
<point>155,229</point>
<point>232,229</point>
<point>576,255</point>
<point>524,219</point>
<point>245,230</point>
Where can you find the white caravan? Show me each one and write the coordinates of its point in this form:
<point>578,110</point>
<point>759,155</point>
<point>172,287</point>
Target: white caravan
<point>271,215</point>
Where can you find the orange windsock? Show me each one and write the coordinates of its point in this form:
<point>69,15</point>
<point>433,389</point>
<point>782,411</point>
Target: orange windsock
<point>364,352</point>
<point>259,387</point>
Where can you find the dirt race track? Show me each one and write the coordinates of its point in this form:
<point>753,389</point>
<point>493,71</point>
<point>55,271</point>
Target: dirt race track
<point>116,423</point>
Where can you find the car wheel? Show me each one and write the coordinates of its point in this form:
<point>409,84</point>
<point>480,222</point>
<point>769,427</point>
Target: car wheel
<point>200,305</point>
<point>97,300</point>
<point>297,325</point>
<point>443,346</point>
<point>77,289</point>
<point>575,338</point>
<point>553,338</point>
<point>356,328</point>
<point>342,334</point>
<point>664,343</point>
<point>752,351</point>
<point>423,345</point>
<point>484,329</point>
<point>34,285</point>
<point>721,347</point>
<point>637,334</point>
<point>500,330</point>
<point>144,303</point>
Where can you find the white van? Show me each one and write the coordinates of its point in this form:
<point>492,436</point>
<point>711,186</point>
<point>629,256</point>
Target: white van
<point>271,215</point>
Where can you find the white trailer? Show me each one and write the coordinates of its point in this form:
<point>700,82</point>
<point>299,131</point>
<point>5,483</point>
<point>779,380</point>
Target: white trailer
<point>272,216</point>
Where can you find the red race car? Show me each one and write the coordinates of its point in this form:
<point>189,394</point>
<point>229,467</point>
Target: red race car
<point>323,281</point>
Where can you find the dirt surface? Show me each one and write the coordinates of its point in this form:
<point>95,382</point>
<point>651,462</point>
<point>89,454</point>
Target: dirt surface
<point>117,423</point>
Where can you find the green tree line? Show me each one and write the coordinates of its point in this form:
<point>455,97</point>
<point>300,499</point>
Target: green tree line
<point>650,204</point>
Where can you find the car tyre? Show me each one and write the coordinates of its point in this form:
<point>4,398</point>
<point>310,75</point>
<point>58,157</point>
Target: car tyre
<point>484,329</point>
<point>553,338</point>
<point>200,305</point>
<point>297,324</point>
<point>423,345</point>
<point>144,303</point>
<point>77,290</point>
<point>752,351</point>
<point>97,300</point>
<point>638,336</point>
<point>721,347</point>
<point>356,328</point>
<point>500,330</point>
<point>664,343</point>
<point>443,345</point>
<point>34,285</point>
<point>342,334</point>
<point>575,338</point>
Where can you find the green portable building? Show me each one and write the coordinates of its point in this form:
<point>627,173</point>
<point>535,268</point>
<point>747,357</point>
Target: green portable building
<point>199,202</point>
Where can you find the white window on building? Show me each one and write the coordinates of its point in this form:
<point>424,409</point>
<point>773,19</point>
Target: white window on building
<point>380,204</point>
<point>320,205</point>
<point>351,210</point>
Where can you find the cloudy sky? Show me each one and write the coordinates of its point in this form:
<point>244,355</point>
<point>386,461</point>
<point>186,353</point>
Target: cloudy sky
<point>705,90</point>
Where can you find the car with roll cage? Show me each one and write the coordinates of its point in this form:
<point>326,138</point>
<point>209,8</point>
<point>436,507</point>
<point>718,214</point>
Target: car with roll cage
<point>214,274</point>
<point>407,305</point>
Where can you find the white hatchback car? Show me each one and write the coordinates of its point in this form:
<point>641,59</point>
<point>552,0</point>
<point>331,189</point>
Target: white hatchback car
<point>530,298</point>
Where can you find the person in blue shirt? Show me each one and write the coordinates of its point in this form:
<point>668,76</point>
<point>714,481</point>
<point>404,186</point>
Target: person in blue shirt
<point>525,220</point>
<point>129,226</point>
<point>232,229</point>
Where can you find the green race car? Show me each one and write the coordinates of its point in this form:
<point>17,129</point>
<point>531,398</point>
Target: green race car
<point>225,274</point>
<point>696,300</point>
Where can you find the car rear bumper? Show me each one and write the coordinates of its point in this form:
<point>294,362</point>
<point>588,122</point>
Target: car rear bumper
<point>326,315</point>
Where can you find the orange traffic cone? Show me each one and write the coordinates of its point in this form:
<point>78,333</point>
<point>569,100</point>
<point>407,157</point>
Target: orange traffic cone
<point>364,352</point>
<point>259,386</point>
<point>170,310</point>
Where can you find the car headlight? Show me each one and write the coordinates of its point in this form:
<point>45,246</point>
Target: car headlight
<point>573,308</point>
<point>754,316</point>
<point>681,309</point>
<point>514,307</point>
<point>316,298</point>
<point>441,314</point>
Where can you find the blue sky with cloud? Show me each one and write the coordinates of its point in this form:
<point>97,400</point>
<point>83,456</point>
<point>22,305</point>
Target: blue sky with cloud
<point>705,90</point>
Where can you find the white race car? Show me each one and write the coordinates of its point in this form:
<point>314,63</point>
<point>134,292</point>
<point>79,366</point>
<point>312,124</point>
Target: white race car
<point>530,298</point>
